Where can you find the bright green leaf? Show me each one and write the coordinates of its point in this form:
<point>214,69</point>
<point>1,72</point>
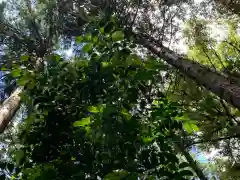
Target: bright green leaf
<point>16,72</point>
<point>96,109</point>
<point>4,69</point>
<point>117,36</point>
<point>93,109</point>
<point>79,39</point>
<point>194,127</point>
<point>57,58</point>
<point>102,30</point>
<point>24,58</point>
<point>105,64</point>
<point>82,122</point>
<point>190,127</point>
<point>187,127</point>
<point>147,139</point>
<point>126,114</point>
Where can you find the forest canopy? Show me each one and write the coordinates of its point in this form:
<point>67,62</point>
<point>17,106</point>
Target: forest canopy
<point>119,89</point>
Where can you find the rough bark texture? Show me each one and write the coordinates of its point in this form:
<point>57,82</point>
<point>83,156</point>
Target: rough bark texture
<point>212,80</point>
<point>9,108</point>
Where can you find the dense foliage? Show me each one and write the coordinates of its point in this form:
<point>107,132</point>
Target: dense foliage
<point>100,116</point>
<point>111,109</point>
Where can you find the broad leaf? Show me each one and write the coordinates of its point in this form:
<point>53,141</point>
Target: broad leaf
<point>117,36</point>
<point>82,122</point>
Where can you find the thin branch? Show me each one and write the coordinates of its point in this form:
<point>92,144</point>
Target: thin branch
<point>228,112</point>
<point>212,140</point>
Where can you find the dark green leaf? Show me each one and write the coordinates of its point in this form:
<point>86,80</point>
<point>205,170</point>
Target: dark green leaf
<point>2,177</point>
<point>185,173</point>
<point>184,165</point>
<point>10,167</point>
<point>109,27</point>
<point>87,48</point>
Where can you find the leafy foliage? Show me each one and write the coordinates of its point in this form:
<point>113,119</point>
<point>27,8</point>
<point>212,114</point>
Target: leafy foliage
<point>100,116</point>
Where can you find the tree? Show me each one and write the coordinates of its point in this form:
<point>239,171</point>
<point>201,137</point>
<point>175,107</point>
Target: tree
<point>109,118</point>
<point>212,80</point>
<point>115,34</point>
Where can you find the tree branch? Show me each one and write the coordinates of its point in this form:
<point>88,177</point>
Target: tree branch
<point>212,140</point>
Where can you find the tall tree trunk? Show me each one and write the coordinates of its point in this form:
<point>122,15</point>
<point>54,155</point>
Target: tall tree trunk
<point>12,104</point>
<point>212,80</point>
<point>9,108</point>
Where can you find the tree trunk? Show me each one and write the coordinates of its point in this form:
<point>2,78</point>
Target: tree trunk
<point>9,108</point>
<point>12,104</point>
<point>212,80</point>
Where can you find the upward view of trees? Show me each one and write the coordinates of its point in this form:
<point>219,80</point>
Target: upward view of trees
<point>119,89</point>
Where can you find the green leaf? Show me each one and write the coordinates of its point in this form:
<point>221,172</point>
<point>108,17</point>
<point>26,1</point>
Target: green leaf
<point>194,127</point>
<point>19,156</point>
<point>82,122</point>
<point>185,173</point>
<point>117,36</point>
<point>57,58</point>
<point>184,165</point>
<point>117,175</point>
<point>147,139</point>
<point>4,69</point>
<point>24,58</point>
<point>108,27</point>
<point>96,109</point>
<point>190,127</point>
<point>133,59</point>
<point>105,64</point>
<point>22,81</point>
<point>182,118</point>
<point>102,30</point>
<point>93,109</point>
<point>87,48</point>
<point>109,110</point>
<point>126,114</point>
<point>79,39</point>
<point>187,127</point>
<point>16,72</point>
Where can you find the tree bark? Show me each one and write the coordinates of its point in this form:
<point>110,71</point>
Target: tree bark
<point>13,102</point>
<point>210,79</point>
<point>9,108</point>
